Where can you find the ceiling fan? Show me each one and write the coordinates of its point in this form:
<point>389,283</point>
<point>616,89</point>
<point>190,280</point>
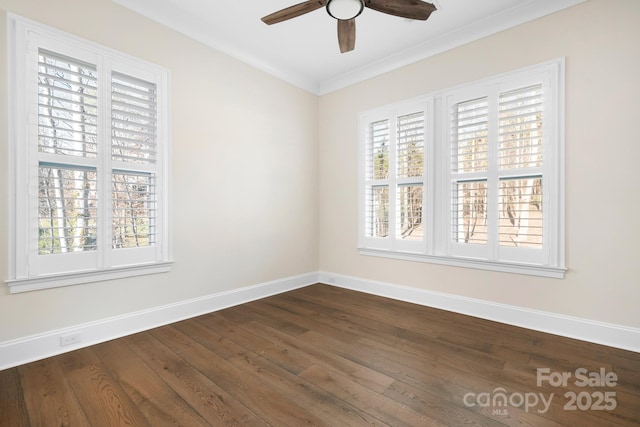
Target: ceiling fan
<point>345,11</point>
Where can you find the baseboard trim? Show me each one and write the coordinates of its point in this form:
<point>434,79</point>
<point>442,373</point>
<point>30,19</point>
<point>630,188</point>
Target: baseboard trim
<point>36,347</point>
<point>608,334</point>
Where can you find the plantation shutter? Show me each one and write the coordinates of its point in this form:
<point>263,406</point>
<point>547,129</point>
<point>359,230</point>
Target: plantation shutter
<point>67,213</point>
<point>133,119</point>
<point>410,172</point>
<point>67,149</point>
<point>410,145</point>
<point>134,152</point>
<point>469,164</point>
<point>520,149</point>
<point>134,209</point>
<point>67,106</point>
<point>520,136</point>
<point>377,174</point>
<point>378,150</point>
<point>470,129</point>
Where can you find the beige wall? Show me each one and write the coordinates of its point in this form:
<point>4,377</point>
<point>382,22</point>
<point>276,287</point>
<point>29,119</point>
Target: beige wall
<point>244,170</point>
<point>600,41</point>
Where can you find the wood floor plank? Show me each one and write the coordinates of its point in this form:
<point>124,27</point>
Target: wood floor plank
<point>160,404</point>
<point>363,375</point>
<point>210,400</point>
<point>214,341</point>
<point>103,400</point>
<point>257,395</point>
<point>387,410</point>
<point>13,412</point>
<point>248,312</point>
<point>48,396</point>
<point>327,356</point>
<point>257,344</point>
<point>323,405</point>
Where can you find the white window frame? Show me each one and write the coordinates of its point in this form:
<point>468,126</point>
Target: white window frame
<point>438,246</point>
<point>392,113</point>
<point>27,269</point>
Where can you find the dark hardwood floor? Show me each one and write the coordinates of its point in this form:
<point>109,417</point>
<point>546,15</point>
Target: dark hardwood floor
<point>327,356</point>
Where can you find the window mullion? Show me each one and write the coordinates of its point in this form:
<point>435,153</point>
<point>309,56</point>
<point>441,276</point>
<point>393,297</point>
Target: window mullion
<point>493,176</point>
<point>105,163</point>
<point>29,158</point>
<point>393,179</point>
<point>444,223</point>
<point>429,174</point>
<point>553,180</point>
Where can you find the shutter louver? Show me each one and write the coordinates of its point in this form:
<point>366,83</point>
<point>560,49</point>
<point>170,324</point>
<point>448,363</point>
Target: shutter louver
<point>521,214</point>
<point>377,170</point>
<point>520,147</point>
<point>410,211</point>
<point>520,138</point>
<point>67,209</point>
<point>377,214</point>
<point>470,145</point>
<point>410,164</point>
<point>134,209</point>
<point>469,212</point>
<point>133,119</point>
<point>378,150</point>
<point>67,106</point>
<point>470,133</point>
<point>410,145</point>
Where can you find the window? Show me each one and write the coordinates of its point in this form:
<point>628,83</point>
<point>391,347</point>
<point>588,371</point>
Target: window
<point>89,144</point>
<point>394,179</point>
<point>471,176</point>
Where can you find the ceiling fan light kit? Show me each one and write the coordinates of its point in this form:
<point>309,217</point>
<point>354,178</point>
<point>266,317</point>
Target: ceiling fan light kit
<point>345,9</point>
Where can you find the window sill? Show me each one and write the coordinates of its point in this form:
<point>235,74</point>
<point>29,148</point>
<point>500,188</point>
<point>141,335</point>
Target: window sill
<point>504,267</point>
<point>58,280</point>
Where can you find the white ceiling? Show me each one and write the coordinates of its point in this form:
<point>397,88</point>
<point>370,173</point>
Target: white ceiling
<point>304,50</point>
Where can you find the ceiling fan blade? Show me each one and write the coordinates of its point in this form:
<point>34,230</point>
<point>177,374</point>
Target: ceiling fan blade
<point>346,35</point>
<point>412,9</point>
<point>294,11</point>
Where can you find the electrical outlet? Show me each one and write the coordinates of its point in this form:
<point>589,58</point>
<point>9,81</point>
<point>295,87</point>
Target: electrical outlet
<point>69,339</point>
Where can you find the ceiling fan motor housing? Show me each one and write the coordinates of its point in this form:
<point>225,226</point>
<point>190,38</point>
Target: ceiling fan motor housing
<point>345,9</point>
